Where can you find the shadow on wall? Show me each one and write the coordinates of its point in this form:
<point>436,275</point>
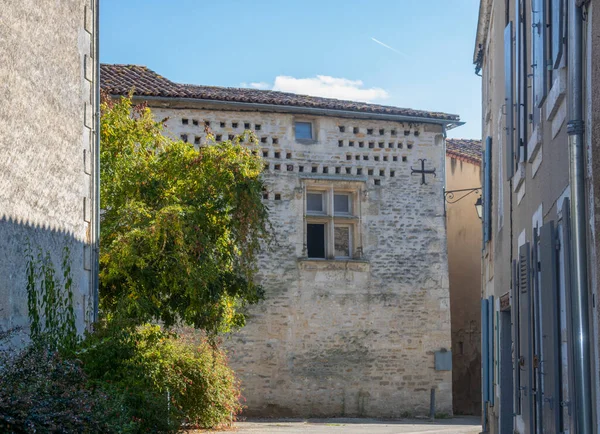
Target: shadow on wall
<point>15,236</point>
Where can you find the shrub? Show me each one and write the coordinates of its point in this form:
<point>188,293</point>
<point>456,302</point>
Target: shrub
<point>41,391</point>
<point>165,381</point>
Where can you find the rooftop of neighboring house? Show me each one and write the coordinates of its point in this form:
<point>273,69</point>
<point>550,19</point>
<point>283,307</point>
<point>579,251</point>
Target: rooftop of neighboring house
<point>121,79</point>
<point>468,150</point>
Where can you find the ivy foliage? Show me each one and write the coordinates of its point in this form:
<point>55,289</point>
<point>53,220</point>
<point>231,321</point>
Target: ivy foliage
<point>180,227</point>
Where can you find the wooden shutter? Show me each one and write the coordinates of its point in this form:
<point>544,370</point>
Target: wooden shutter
<point>521,81</point>
<point>514,311</point>
<point>487,191</point>
<point>491,357</point>
<point>525,337</point>
<point>550,330</point>
<point>508,100</point>
<point>540,64</point>
<point>485,353</point>
<point>556,12</point>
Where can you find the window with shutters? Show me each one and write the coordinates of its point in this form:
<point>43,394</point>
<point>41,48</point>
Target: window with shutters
<point>508,99</point>
<point>539,33</point>
<point>331,215</point>
<point>556,29</point>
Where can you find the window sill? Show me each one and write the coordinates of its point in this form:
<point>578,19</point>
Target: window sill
<point>315,264</point>
<point>307,141</point>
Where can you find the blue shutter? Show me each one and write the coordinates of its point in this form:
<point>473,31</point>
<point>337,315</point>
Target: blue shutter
<point>525,337</point>
<point>540,63</point>
<point>508,100</point>
<point>550,333</point>
<point>514,312</point>
<point>485,353</point>
<point>487,191</point>
<point>491,358</point>
<point>556,12</point>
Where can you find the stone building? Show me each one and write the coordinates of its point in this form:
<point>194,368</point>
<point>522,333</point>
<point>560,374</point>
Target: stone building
<point>48,148</point>
<point>357,314</point>
<point>463,188</point>
<point>540,65</point>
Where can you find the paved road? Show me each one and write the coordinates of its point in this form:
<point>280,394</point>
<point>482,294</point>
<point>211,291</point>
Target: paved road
<point>358,426</point>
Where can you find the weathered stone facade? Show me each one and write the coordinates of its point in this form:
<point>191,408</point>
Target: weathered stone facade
<point>47,145</point>
<point>349,337</point>
<point>353,333</point>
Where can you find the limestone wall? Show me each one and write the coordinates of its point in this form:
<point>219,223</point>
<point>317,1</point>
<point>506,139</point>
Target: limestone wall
<point>46,145</point>
<point>352,337</point>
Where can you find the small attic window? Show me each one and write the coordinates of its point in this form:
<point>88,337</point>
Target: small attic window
<point>234,125</point>
<point>222,124</point>
<point>195,122</point>
<point>275,140</point>
<point>381,131</point>
<point>184,137</point>
<point>219,137</point>
<point>394,132</point>
<point>257,127</point>
<point>342,129</point>
<point>207,123</point>
<point>355,130</point>
<point>185,121</point>
<point>247,125</point>
<point>369,130</point>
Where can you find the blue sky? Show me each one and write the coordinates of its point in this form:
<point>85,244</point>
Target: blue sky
<point>329,47</point>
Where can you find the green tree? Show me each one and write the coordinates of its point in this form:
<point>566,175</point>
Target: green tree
<point>180,227</point>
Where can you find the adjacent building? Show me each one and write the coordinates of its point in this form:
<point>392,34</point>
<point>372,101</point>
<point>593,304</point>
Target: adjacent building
<point>539,63</point>
<point>48,150</point>
<point>356,320</point>
<point>463,189</point>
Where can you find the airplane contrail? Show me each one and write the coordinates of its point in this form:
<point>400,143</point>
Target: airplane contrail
<point>388,47</point>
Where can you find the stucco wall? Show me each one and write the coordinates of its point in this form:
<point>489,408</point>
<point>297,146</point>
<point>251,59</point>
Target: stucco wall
<point>464,266</point>
<point>46,121</point>
<point>345,337</point>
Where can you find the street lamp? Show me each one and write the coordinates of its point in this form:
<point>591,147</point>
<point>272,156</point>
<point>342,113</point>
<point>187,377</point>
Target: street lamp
<point>449,197</point>
<point>479,208</point>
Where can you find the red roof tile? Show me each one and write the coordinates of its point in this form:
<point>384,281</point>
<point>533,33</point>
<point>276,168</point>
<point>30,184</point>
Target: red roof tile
<point>464,149</point>
<point>121,79</point>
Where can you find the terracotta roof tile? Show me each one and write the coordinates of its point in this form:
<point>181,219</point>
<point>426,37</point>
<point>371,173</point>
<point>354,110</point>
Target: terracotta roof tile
<point>120,79</point>
<point>465,149</point>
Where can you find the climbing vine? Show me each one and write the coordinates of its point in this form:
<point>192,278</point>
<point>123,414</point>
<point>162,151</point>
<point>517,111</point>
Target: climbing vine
<point>50,299</point>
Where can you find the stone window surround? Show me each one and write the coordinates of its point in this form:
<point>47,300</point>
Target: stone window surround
<point>315,129</point>
<point>353,220</point>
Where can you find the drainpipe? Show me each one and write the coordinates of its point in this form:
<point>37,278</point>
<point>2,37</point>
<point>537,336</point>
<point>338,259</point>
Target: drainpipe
<point>579,281</point>
<point>96,182</point>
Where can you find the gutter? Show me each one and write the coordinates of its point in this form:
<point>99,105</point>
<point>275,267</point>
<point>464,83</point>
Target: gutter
<point>579,259</point>
<point>447,123</point>
<point>96,182</point>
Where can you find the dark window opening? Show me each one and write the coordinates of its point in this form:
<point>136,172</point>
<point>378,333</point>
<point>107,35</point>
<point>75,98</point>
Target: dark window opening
<point>315,240</point>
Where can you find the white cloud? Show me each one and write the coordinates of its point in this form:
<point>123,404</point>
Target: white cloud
<point>256,85</point>
<point>329,87</point>
<point>324,86</point>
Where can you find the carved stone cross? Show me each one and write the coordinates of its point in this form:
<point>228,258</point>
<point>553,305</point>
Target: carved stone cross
<point>422,171</point>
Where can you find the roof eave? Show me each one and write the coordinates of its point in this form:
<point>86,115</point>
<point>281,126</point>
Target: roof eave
<point>485,8</point>
<point>447,123</point>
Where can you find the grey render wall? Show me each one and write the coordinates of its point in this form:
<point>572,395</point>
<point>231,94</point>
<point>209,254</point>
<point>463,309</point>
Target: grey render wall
<point>535,193</point>
<point>47,94</point>
<point>344,337</point>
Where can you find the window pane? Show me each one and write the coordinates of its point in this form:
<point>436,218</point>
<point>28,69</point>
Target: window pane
<point>315,240</point>
<point>341,241</point>
<point>303,130</point>
<point>341,203</point>
<point>314,202</point>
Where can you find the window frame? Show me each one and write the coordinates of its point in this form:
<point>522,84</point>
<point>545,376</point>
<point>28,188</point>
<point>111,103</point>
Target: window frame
<point>331,220</point>
<point>313,130</point>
